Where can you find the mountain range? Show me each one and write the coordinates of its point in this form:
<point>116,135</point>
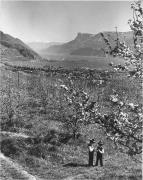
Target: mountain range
<point>86,44</point>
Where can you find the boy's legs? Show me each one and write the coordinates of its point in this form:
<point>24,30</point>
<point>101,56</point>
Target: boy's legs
<point>91,158</point>
<point>101,161</point>
<point>97,159</point>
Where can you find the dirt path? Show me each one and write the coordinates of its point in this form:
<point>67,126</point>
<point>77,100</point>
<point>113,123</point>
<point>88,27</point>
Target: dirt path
<point>12,134</point>
<point>13,171</point>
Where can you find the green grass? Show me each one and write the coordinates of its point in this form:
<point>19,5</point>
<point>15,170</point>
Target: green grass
<point>118,166</point>
<point>69,161</point>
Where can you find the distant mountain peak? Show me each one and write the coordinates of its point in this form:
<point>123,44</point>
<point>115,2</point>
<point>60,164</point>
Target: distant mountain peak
<point>83,36</point>
<point>87,44</point>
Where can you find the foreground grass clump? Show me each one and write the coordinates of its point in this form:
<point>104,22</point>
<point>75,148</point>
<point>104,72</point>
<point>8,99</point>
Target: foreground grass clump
<point>9,147</point>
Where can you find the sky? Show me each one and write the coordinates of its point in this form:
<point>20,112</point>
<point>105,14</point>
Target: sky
<point>60,21</point>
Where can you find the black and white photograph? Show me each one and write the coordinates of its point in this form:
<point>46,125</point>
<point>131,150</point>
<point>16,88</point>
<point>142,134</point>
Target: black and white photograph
<point>71,98</point>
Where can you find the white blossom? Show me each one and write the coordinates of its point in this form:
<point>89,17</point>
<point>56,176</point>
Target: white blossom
<point>64,87</point>
<point>113,98</point>
<point>131,105</point>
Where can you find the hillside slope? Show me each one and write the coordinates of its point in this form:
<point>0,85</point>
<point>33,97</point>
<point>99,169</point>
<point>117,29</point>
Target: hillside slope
<point>89,44</point>
<point>14,49</point>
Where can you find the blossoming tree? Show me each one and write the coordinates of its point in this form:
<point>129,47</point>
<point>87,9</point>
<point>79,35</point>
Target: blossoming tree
<point>124,125</point>
<point>79,107</point>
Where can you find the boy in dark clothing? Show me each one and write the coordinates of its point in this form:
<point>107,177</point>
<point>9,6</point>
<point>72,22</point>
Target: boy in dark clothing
<point>100,152</point>
<point>91,152</point>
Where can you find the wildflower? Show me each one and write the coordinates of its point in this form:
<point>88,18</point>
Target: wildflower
<point>101,81</point>
<point>121,103</point>
<point>131,105</point>
<point>113,98</point>
<point>64,87</point>
<point>70,101</point>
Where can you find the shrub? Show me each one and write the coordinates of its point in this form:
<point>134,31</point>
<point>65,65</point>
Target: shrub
<point>51,134</point>
<point>52,149</point>
<point>64,137</point>
<point>9,147</point>
<point>37,151</point>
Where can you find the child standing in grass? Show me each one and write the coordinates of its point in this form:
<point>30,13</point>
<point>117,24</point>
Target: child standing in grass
<point>100,152</point>
<point>91,152</point>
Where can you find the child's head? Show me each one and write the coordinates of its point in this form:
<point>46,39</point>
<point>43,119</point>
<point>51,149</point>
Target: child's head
<point>100,143</point>
<point>92,141</point>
